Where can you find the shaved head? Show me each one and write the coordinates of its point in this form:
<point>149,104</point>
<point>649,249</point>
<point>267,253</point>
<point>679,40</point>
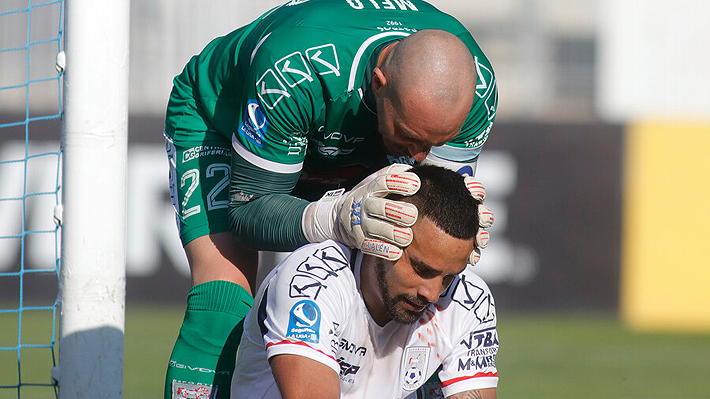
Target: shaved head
<point>432,63</point>
<point>428,80</point>
<point>432,66</point>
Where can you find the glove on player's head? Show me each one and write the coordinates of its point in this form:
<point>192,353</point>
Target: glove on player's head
<point>362,218</point>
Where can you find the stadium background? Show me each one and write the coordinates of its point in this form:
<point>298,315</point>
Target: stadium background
<point>595,167</point>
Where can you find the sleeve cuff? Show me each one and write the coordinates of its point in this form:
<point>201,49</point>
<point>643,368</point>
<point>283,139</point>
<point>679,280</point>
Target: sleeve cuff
<point>301,349</point>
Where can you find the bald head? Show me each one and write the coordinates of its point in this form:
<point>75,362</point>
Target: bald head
<point>424,88</point>
<point>432,68</point>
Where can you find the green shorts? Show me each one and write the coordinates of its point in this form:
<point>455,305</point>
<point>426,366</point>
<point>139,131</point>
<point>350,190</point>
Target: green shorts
<point>199,186</point>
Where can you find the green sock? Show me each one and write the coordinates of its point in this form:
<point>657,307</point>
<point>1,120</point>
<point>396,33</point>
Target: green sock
<point>205,351</point>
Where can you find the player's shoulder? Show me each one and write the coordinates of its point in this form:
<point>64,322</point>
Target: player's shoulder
<point>320,264</point>
<point>309,18</point>
<point>468,298</point>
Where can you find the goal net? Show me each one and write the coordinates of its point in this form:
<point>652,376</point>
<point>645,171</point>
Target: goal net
<point>30,108</point>
<point>62,197</point>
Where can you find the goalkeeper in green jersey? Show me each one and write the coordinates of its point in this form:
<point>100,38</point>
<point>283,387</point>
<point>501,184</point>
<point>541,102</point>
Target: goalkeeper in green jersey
<point>270,129</point>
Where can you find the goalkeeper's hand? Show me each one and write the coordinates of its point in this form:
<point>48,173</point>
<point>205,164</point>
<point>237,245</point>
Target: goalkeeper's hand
<point>485,218</point>
<point>362,218</point>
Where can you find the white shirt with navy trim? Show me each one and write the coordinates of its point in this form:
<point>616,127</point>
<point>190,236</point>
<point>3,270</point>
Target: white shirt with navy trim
<point>310,305</point>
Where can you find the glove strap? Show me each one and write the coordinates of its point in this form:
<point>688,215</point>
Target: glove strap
<point>320,216</point>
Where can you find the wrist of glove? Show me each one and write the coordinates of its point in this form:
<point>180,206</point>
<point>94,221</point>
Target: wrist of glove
<point>362,218</point>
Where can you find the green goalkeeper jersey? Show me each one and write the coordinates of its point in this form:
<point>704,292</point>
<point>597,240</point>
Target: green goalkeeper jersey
<point>292,91</point>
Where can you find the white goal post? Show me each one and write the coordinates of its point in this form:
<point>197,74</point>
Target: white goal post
<point>93,211</point>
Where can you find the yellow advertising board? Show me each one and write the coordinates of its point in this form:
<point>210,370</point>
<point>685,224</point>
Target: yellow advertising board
<point>665,276</point>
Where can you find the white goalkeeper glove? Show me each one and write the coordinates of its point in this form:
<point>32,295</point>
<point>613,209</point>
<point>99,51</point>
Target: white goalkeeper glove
<point>485,218</point>
<point>362,218</point>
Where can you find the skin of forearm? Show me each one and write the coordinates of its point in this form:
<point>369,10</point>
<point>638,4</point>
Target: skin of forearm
<point>488,393</point>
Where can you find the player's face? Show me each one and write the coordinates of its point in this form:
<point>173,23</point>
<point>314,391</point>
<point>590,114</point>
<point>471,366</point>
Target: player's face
<point>411,130</point>
<point>427,267</point>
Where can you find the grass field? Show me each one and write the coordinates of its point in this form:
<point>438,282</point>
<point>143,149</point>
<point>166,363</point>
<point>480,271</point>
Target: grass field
<point>542,356</point>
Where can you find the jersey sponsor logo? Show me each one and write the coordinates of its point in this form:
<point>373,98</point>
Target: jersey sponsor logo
<point>335,333</point>
<point>294,69</point>
<point>296,144</point>
<point>486,87</point>
<point>477,363</point>
<point>304,322</point>
<point>487,338</point>
<point>351,347</point>
<point>414,365</point>
<point>347,370</point>
<point>185,390</point>
<point>482,347</point>
<point>335,150</point>
<point>203,151</point>
<point>332,151</point>
<point>396,28</point>
<point>484,351</point>
<point>176,365</point>
<point>340,136</point>
<point>270,89</point>
<point>324,59</point>
<point>254,124</point>
<point>335,330</point>
<point>480,139</point>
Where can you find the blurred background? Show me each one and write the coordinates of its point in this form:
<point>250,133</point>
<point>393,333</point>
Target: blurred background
<point>597,170</point>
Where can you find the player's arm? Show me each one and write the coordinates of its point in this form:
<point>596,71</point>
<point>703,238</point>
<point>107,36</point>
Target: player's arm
<point>262,213</point>
<point>297,330</point>
<point>269,148</point>
<point>299,377</point>
<point>488,393</point>
<point>469,370</point>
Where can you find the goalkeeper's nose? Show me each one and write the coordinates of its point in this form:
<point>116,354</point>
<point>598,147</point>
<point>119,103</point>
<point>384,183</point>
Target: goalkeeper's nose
<point>418,151</point>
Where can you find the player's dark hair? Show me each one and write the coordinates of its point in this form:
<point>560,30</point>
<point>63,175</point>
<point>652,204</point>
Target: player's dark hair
<point>444,198</point>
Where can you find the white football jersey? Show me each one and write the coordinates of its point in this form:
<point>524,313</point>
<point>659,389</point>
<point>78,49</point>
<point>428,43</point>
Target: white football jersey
<point>310,305</point>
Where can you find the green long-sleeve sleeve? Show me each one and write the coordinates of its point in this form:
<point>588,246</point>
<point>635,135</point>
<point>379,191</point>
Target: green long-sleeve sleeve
<point>262,213</point>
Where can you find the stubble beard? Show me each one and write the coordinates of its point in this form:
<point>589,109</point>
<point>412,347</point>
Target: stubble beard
<point>392,304</point>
